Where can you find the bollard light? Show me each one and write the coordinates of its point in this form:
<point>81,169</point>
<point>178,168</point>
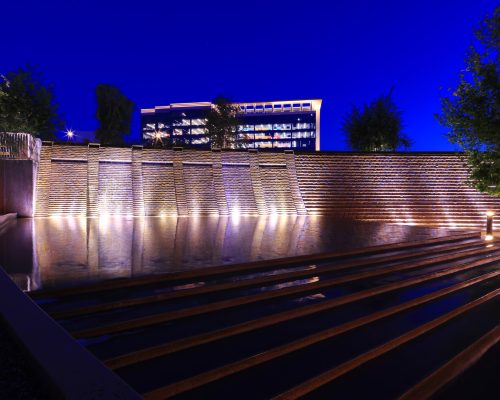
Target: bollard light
<point>489,225</point>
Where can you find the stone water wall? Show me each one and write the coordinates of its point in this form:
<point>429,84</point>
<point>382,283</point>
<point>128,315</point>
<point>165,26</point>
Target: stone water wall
<point>411,188</point>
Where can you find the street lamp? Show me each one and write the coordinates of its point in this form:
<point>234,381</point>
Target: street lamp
<point>70,134</point>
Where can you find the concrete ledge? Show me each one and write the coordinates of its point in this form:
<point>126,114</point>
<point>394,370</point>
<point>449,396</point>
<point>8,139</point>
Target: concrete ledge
<point>67,370</point>
<point>6,218</point>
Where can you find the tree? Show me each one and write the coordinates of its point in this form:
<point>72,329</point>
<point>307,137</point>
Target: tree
<point>27,104</point>
<point>222,124</point>
<point>472,113</point>
<point>114,113</point>
<point>375,127</point>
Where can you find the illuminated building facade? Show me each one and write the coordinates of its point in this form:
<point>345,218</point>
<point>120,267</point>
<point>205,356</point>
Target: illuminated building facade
<point>263,125</point>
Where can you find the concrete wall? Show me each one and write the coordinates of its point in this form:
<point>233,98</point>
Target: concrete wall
<point>410,188</point>
<point>16,187</point>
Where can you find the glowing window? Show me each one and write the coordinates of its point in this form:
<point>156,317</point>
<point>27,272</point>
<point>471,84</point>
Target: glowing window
<point>202,140</point>
<point>286,144</point>
<point>264,145</point>
<point>302,125</point>
<point>246,128</point>
<point>263,136</point>
<point>198,131</point>
<point>177,132</point>
<point>199,121</point>
<point>263,127</point>
<point>282,135</point>
<point>282,127</point>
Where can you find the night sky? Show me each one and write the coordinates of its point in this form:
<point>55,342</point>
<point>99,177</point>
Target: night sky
<point>158,52</point>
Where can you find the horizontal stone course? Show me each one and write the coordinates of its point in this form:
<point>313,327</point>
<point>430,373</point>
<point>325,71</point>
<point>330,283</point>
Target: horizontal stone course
<point>427,188</point>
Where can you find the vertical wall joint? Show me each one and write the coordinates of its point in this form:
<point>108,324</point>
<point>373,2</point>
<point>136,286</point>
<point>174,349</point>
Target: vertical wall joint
<point>293,183</point>
<point>220,193</point>
<point>137,181</point>
<point>93,179</point>
<point>258,190</point>
<point>180,189</point>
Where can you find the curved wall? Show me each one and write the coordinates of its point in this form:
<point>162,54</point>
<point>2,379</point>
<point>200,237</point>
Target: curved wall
<point>409,188</point>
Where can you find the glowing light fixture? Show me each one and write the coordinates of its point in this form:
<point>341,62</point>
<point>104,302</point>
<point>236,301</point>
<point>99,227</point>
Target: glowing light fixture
<point>70,134</point>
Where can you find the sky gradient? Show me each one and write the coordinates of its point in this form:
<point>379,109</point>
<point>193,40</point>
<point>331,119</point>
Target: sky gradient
<point>158,52</point>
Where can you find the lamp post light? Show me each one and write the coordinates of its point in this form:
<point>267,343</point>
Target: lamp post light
<point>489,225</point>
<point>70,134</point>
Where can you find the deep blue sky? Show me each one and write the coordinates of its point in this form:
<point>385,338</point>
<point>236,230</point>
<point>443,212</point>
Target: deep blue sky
<point>157,52</point>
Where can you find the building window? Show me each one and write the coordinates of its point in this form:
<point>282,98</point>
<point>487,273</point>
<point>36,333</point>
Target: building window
<point>280,145</point>
<point>278,107</point>
<point>245,128</point>
<point>287,107</point>
<point>250,109</point>
<point>178,132</point>
<point>198,131</point>
<point>245,136</point>
<point>199,121</point>
<point>268,108</point>
<point>263,136</point>
<point>282,127</point>
<point>302,125</point>
<point>259,108</point>
<point>263,127</point>
<point>282,135</point>
<point>203,140</point>
<point>264,145</point>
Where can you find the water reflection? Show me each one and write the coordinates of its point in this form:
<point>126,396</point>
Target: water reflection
<point>49,252</point>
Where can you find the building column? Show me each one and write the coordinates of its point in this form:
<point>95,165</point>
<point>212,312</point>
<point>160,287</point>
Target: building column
<point>93,180</point>
<point>293,183</point>
<point>43,181</point>
<point>137,182</point>
<point>258,190</point>
<point>180,189</point>
<point>220,193</point>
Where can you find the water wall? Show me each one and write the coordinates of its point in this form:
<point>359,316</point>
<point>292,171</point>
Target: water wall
<point>411,188</point>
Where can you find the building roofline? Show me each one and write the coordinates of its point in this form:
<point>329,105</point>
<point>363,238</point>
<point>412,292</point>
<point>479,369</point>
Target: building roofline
<point>314,102</point>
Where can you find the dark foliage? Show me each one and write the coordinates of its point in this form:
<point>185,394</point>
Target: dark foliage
<point>27,104</point>
<point>472,113</point>
<point>222,124</point>
<point>375,127</point>
<point>114,113</point>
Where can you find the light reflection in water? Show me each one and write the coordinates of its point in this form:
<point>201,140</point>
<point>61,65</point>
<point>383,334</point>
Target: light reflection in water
<point>66,251</point>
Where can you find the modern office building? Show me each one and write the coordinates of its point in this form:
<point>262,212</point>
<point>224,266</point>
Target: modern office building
<point>290,124</point>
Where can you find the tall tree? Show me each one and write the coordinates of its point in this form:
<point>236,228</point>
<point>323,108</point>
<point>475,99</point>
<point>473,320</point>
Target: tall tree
<point>472,113</point>
<point>376,126</point>
<point>222,124</point>
<point>114,113</point>
<point>27,104</point>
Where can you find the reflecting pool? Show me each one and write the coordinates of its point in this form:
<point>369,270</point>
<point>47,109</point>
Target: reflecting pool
<point>49,252</point>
